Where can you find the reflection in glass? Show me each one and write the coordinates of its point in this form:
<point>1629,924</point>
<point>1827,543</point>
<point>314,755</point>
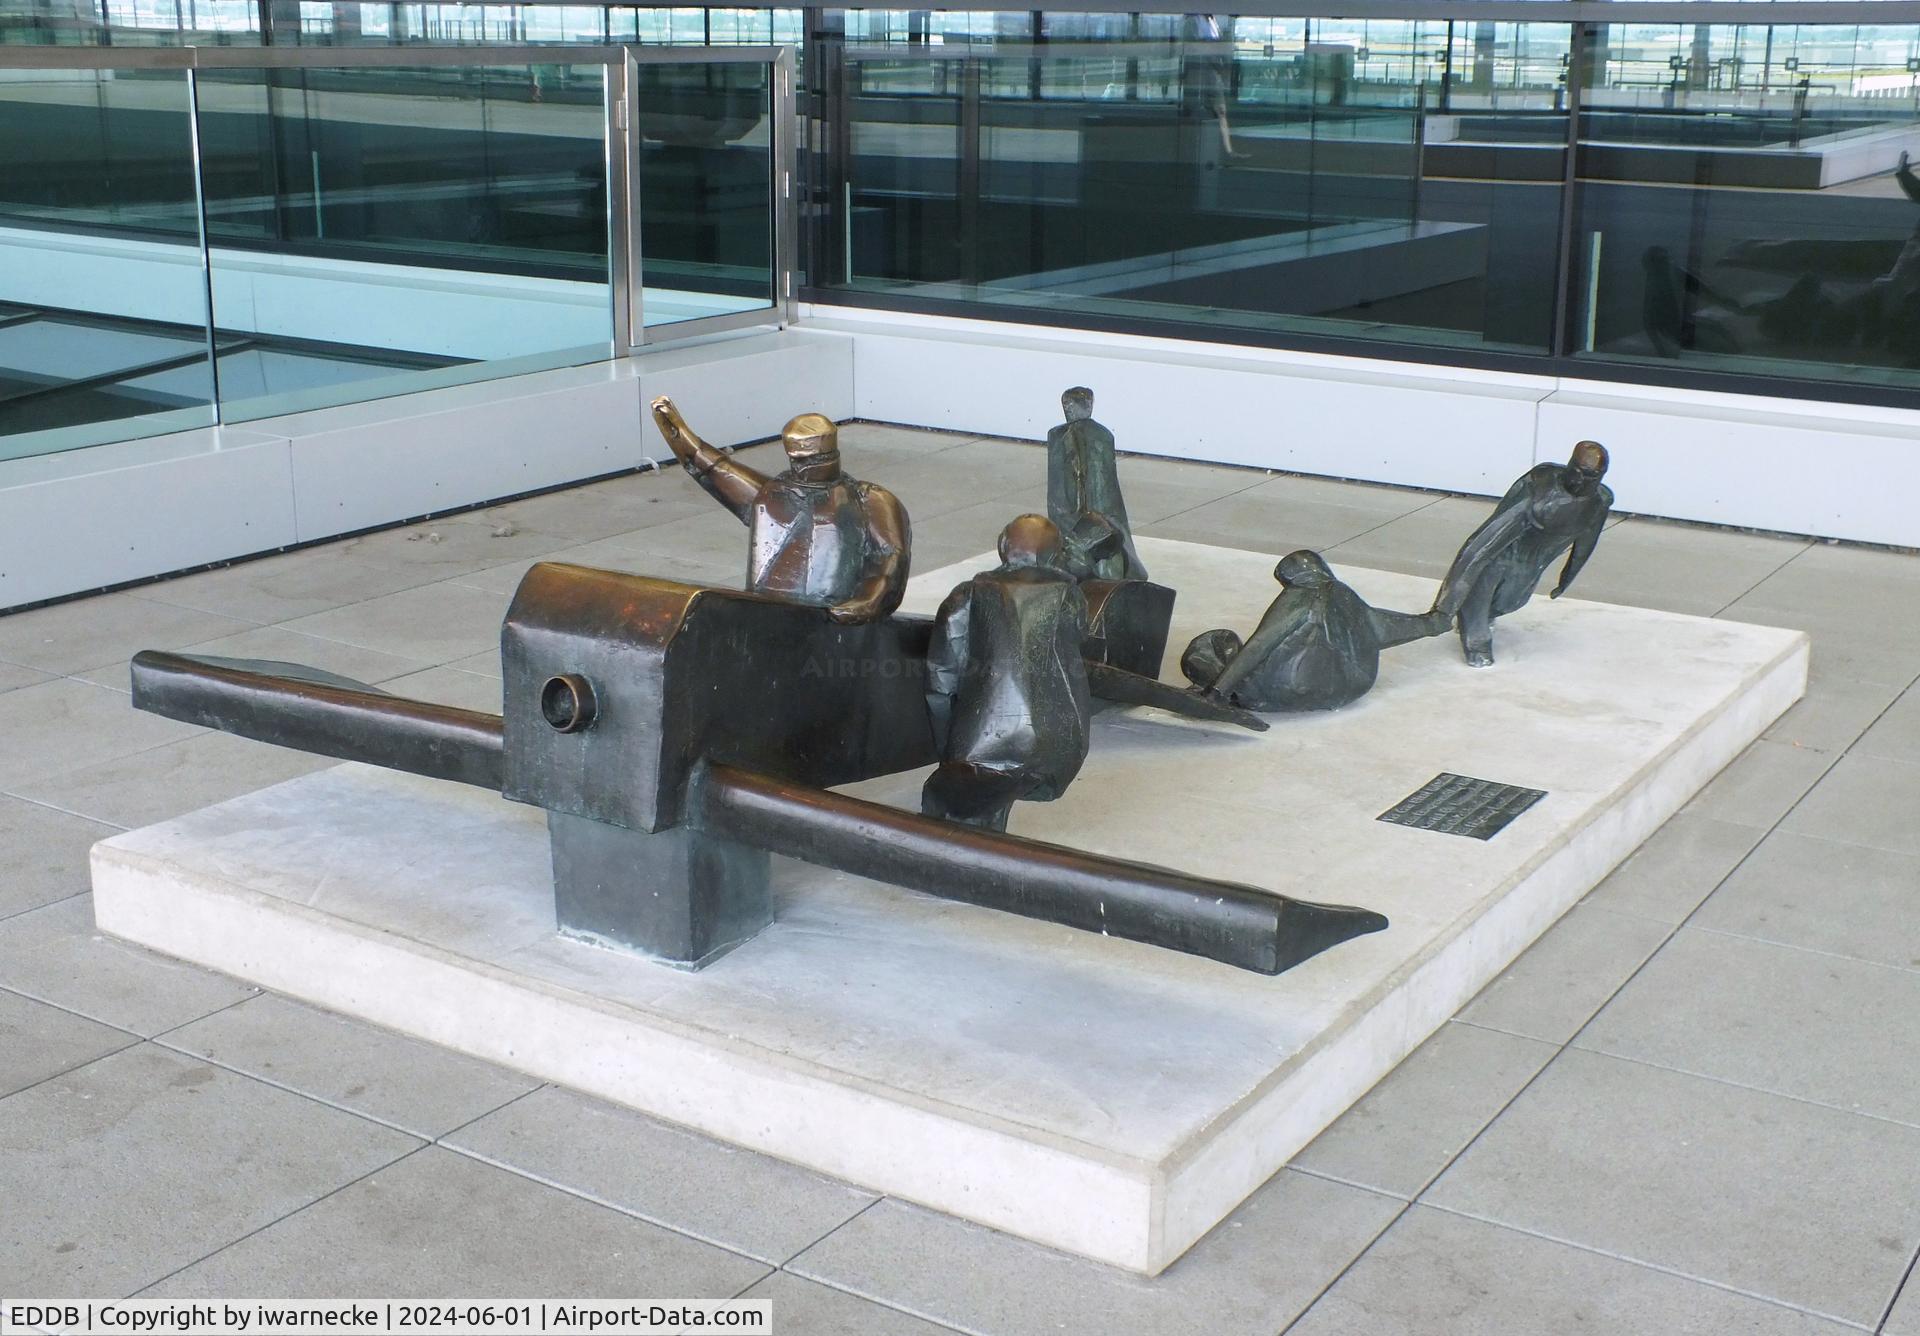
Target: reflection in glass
<point>1390,179</point>
<point>103,304</point>
<point>705,189</point>
<point>380,230</point>
<point>1748,203</point>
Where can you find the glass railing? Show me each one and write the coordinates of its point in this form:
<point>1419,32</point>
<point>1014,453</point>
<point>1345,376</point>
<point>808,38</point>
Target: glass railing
<point>198,236</point>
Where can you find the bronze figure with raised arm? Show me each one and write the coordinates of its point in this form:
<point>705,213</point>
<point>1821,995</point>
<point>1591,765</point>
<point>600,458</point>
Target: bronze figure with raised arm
<point>1550,509</point>
<point>815,535</point>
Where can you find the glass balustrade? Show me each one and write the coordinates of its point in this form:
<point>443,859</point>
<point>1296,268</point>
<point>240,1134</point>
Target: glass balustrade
<point>192,237</point>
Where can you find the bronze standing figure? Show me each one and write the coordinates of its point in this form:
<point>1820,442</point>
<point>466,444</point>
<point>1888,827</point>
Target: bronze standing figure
<point>1083,495</point>
<point>1317,648</point>
<point>1551,509</point>
<point>1006,686</point>
<point>815,535</point>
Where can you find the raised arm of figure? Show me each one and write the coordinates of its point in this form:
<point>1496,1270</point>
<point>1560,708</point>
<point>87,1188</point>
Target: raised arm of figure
<point>889,552</point>
<point>722,477</point>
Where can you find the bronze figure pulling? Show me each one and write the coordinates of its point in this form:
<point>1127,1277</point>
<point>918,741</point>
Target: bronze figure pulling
<point>1550,509</point>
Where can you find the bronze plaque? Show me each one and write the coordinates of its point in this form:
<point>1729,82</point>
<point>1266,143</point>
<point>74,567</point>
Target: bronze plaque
<point>1462,805</point>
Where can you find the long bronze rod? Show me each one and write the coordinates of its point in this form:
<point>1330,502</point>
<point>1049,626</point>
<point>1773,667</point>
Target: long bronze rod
<point>1237,925</point>
<point>313,711</point>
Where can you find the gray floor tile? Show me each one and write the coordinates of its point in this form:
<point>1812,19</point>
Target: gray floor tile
<point>1406,1129</point>
<point>143,1162</point>
<point>13,675</point>
<point>1904,1320</point>
<point>439,1224</point>
<point>57,955</point>
<point>456,543</point>
<point>1436,1274</point>
<point>414,1086</point>
<point>1285,513</point>
<point>599,510</point>
<point>638,553</point>
<point>450,686</point>
<point>1255,1271</point>
<point>164,782</point>
<point>1896,734</point>
<point>63,724</point>
<point>901,438</point>
<point>1149,502</point>
<point>1838,590</point>
<point>1669,875</point>
<point>1568,974</point>
<point>38,1041</point>
<point>1826,896</point>
<point>1422,542</point>
<point>1814,1026</point>
<point>1761,784</point>
<point>802,1308</point>
<point>1807,1205</point>
<point>43,855</point>
<point>1834,713</point>
<point>294,584</point>
<point>277,644</point>
<point>1863,800</point>
<point>1680,567</point>
<point>737,1198</point>
<point>108,628</point>
<point>433,623</point>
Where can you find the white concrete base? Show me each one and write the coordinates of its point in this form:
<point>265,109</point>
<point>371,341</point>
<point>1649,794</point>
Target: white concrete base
<point>1105,1097</point>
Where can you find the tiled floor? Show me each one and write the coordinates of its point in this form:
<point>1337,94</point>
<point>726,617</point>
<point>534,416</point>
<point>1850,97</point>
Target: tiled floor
<point>1693,1106</point>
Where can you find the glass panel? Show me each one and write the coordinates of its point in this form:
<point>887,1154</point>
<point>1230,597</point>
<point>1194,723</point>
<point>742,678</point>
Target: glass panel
<point>381,230</point>
<point>1390,179</point>
<point>103,303</point>
<point>1747,205</point>
<point>705,189</point>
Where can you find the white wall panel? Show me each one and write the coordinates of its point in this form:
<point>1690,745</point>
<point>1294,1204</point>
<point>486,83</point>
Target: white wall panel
<point>1339,416</point>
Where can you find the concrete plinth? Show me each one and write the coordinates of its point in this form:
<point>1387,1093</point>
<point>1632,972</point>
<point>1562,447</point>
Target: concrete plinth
<point>1104,1097</point>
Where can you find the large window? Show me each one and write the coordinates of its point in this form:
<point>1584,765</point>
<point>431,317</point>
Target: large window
<point>1397,180</point>
<point>1747,203</point>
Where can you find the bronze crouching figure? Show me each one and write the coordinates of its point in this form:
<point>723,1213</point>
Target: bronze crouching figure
<point>1083,495</point>
<point>815,535</point>
<point>1006,686</point>
<point>1317,648</point>
<point>1551,509</point>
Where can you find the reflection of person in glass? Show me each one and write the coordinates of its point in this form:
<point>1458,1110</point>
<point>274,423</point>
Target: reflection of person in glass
<point>1208,73</point>
<point>1552,508</point>
<point>814,534</point>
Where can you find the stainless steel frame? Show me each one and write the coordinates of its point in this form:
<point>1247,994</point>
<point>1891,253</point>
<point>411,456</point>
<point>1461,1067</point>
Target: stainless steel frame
<point>782,132</point>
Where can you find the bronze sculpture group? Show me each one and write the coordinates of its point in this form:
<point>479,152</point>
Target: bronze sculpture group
<point>679,735</point>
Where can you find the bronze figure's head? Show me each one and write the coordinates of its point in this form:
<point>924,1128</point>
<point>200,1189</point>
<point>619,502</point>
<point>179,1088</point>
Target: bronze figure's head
<point>1078,403</point>
<point>1586,467</point>
<point>1303,568</point>
<point>1031,540</point>
<point>813,448</point>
